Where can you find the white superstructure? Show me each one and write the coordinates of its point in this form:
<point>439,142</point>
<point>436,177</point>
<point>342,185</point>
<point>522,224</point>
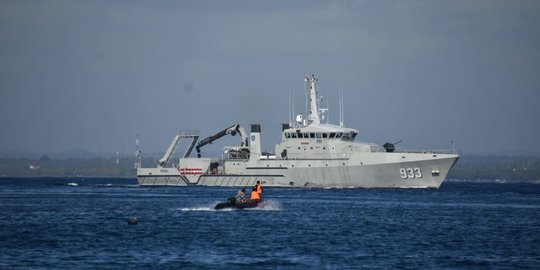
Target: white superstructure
<point>310,154</point>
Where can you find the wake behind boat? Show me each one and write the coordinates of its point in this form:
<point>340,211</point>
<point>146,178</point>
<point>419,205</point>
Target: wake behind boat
<point>311,154</point>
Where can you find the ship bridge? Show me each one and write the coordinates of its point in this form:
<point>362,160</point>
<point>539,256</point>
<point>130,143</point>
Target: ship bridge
<point>320,131</point>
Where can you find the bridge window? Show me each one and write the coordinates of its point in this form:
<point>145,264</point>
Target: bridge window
<point>325,135</point>
<point>338,135</point>
<point>293,135</point>
<point>332,135</point>
<point>318,135</point>
<point>299,135</point>
<point>306,135</point>
<point>349,136</point>
<point>312,135</point>
<point>287,135</point>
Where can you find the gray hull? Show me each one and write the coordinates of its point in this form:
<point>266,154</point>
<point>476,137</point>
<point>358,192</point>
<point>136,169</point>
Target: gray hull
<point>320,173</point>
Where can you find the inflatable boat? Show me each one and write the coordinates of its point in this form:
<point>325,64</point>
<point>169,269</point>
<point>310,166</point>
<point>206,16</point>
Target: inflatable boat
<point>231,203</point>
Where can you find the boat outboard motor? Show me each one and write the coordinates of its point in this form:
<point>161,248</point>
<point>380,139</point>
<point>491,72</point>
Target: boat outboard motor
<point>231,203</point>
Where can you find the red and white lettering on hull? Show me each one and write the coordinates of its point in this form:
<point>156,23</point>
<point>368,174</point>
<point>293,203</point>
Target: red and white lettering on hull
<point>184,171</point>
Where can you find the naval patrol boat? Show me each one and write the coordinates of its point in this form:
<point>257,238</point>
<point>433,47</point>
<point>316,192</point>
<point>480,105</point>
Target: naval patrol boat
<point>311,154</point>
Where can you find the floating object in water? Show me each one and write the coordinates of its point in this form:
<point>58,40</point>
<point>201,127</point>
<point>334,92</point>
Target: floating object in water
<point>133,221</point>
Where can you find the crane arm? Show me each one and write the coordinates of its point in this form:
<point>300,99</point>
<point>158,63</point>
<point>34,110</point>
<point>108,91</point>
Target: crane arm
<point>232,130</point>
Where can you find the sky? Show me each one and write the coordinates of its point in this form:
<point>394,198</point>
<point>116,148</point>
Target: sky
<point>89,75</point>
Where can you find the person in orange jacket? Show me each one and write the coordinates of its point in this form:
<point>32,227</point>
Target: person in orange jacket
<point>259,189</point>
<point>255,196</point>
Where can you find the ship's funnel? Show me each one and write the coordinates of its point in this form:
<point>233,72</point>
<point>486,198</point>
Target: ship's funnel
<point>255,141</point>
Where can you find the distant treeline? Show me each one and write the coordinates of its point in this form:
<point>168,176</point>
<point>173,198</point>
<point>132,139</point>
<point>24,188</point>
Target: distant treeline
<point>96,167</point>
<point>509,168</point>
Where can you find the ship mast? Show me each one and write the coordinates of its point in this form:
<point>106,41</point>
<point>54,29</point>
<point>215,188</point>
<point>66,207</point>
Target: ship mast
<point>138,161</point>
<point>314,117</point>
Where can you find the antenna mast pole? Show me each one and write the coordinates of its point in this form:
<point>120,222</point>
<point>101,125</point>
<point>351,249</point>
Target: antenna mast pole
<point>137,152</point>
<point>291,106</point>
<point>341,105</point>
<point>307,98</point>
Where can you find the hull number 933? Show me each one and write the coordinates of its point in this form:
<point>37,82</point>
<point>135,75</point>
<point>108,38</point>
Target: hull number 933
<point>410,173</point>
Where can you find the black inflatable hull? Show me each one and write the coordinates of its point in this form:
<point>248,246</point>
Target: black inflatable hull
<point>232,204</point>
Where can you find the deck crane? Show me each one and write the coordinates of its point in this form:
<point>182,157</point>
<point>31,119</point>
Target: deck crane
<point>232,130</point>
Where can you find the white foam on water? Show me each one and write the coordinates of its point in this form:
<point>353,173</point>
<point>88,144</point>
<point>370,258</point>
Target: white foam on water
<point>72,184</point>
<point>225,210</point>
<point>104,185</point>
<point>267,205</point>
<point>201,208</point>
<point>195,209</point>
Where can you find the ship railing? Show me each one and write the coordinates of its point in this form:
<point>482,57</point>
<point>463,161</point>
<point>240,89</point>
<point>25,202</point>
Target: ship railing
<point>318,156</point>
<point>436,151</point>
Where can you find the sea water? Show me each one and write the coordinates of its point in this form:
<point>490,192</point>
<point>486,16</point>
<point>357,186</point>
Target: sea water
<point>71,223</point>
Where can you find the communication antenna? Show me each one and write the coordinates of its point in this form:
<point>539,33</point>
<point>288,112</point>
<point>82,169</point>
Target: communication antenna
<point>293,113</point>
<point>327,108</point>
<point>306,91</point>
<point>290,105</point>
<point>341,120</point>
<point>137,152</point>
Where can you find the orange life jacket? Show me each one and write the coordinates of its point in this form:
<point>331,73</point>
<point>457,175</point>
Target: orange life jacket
<point>259,189</point>
<point>255,196</point>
